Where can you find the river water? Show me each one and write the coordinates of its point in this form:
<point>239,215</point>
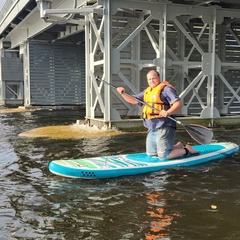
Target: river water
<point>201,202</point>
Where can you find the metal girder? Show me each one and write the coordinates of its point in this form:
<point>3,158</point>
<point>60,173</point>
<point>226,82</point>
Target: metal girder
<point>11,13</point>
<point>154,23</point>
<point>124,39</point>
<point>32,26</point>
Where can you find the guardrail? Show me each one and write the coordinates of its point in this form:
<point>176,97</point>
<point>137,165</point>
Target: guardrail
<point>8,4</point>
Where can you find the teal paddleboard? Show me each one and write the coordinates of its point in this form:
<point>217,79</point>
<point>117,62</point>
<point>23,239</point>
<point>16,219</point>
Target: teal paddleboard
<point>137,163</point>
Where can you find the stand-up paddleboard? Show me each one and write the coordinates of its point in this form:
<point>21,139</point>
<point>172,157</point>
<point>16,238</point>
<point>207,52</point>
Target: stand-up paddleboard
<point>131,164</point>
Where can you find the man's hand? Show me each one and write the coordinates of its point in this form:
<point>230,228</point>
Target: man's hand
<point>121,90</point>
<point>163,113</point>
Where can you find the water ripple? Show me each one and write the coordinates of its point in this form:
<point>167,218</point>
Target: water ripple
<point>200,202</point>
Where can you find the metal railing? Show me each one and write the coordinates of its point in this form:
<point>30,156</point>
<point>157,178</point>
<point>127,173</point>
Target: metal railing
<point>8,4</point>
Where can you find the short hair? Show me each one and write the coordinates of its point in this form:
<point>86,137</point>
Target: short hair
<point>153,70</point>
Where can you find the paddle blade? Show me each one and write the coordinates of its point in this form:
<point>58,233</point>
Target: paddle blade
<point>200,134</point>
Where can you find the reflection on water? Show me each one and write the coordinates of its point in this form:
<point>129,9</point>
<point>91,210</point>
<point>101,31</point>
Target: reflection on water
<point>161,220</point>
<point>170,204</point>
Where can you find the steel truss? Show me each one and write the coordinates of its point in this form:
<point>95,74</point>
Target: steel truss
<point>196,48</point>
<point>189,45</point>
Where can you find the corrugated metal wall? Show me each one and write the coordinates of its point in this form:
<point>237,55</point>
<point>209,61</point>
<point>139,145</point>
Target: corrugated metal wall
<point>11,79</point>
<point>57,74</point>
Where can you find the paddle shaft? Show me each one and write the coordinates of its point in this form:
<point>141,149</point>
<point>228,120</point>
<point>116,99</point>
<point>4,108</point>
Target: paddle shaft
<point>199,133</point>
<point>144,103</point>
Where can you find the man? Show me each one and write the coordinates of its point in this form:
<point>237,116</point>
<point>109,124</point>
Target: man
<point>161,130</point>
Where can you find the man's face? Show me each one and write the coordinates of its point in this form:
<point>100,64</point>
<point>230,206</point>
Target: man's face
<point>153,79</point>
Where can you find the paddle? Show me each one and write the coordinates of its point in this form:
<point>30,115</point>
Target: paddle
<point>200,134</point>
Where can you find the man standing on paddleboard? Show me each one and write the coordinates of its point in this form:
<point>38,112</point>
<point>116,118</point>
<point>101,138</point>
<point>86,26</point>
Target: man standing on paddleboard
<point>161,101</point>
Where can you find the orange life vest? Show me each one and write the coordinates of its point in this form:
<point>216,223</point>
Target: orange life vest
<point>153,98</point>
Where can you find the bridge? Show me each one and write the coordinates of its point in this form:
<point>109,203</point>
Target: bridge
<point>53,51</point>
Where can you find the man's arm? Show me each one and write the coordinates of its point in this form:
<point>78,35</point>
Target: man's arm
<point>121,91</point>
<point>175,108</point>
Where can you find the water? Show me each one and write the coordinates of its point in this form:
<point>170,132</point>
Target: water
<point>201,202</point>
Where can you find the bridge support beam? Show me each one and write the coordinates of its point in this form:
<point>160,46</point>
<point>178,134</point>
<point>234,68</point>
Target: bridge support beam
<point>178,41</point>
<point>195,48</point>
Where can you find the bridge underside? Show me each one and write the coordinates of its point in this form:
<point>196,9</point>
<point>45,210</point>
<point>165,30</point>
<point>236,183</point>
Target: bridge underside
<point>196,47</point>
